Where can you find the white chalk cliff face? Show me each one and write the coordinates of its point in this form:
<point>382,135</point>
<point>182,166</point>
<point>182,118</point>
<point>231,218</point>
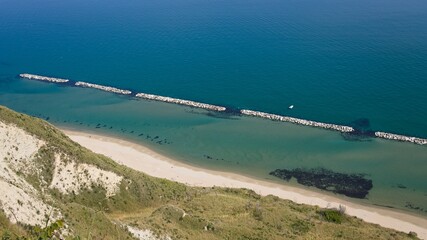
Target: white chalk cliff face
<point>70,177</point>
<point>21,201</point>
<point>29,204</point>
<point>145,234</point>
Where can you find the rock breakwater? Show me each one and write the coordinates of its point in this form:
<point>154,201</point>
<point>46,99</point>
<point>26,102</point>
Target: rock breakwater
<point>43,78</point>
<point>103,88</point>
<point>402,138</point>
<point>304,122</point>
<point>181,102</point>
<point>350,131</point>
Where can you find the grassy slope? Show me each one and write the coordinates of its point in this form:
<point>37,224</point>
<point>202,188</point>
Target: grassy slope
<point>157,204</point>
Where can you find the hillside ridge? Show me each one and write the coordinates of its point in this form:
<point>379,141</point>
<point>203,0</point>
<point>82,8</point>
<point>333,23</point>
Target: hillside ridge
<point>50,178</point>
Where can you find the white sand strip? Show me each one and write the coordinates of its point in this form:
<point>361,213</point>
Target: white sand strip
<point>145,160</point>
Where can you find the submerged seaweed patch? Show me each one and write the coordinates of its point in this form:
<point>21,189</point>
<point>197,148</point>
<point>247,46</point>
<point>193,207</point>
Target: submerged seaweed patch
<point>351,185</point>
<point>229,114</point>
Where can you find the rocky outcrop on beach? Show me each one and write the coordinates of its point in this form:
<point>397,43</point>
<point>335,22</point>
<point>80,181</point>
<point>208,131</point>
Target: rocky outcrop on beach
<point>103,88</point>
<point>304,122</point>
<point>43,78</point>
<point>181,102</point>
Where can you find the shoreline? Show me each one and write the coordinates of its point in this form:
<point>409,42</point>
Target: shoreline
<point>143,159</point>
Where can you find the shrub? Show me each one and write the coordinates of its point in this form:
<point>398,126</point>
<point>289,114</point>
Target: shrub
<point>300,227</point>
<point>412,235</point>
<point>332,215</point>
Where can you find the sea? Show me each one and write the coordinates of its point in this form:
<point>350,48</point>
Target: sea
<point>337,61</point>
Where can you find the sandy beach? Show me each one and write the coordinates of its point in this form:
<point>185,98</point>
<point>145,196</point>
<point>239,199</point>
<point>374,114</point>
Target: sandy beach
<point>145,160</point>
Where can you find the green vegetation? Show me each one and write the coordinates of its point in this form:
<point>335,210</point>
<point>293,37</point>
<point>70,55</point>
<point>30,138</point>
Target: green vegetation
<point>332,215</point>
<point>172,209</point>
<point>11,232</point>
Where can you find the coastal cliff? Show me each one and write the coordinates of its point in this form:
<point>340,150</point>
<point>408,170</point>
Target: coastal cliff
<point>56,184</point>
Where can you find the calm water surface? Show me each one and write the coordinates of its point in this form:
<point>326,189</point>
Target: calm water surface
<point>336,61</point>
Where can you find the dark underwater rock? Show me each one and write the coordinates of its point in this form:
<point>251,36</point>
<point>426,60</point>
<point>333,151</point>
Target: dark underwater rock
<point>350,185</point>
<point>362,131</point>
<point>357,135</point>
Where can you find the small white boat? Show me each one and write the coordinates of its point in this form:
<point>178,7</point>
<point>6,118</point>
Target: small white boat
<point>292,106</point>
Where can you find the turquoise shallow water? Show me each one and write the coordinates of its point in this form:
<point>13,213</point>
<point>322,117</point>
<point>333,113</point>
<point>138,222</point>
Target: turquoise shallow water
<point>244,145</point>
<point>336,61</point>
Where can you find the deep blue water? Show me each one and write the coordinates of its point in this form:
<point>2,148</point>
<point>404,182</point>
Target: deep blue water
<point>335,60</point>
